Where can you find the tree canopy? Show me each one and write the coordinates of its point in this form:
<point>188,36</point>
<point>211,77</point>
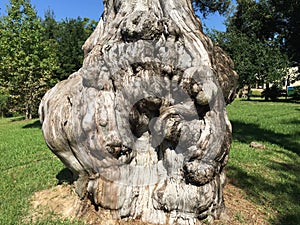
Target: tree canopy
<point>260,39</point>
<point>35,54</point>
<point>27,58</point>
<point>287,20</point>
<point>209,6</point>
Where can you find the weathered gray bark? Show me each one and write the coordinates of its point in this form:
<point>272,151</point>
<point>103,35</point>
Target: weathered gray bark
<point>143,123</point>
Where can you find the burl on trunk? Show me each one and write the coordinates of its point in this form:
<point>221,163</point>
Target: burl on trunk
<point>143,123</point>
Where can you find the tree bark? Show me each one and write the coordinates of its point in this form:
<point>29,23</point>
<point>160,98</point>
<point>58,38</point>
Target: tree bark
<point>143,123</point>
<point>267,91</point>
<point>249,92</point>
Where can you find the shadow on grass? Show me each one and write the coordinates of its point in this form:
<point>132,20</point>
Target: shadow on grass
<point>281,193</point>
<point>281,197</point>
<point>291,219</point>
<point>65,176</point>
<point>35,124</point>
<point>247,132</point>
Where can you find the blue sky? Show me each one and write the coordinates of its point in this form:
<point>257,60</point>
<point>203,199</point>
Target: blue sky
<point>214,21</point>
<point>91,9</point>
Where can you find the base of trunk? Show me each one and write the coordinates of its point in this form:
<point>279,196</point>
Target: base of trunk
<point>170,201</point>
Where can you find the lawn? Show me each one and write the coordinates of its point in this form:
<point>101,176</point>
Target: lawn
<point>26,166</point>
<point>270,177</point>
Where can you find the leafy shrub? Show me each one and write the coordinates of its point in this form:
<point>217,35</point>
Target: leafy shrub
<point>296,93</point>
<point>273,92</point>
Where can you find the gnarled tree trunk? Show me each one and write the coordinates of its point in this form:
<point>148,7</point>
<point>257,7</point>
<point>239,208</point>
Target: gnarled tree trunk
<point>143,123</point>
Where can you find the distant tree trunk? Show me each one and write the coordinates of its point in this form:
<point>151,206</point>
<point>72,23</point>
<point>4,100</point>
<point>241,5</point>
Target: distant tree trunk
<point>267,92</point>
<point>28,113</point>
<point>143,123</point>
<point>249,92</point>
<point>28,106</point>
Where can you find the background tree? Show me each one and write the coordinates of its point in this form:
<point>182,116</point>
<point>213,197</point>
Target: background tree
<point>36,54</point>
<point>271,20</point>
<point>50,25</point>
<point>207,6</point>
<point>287,18</point>
<point>27,58</point>
<point>253,42</point>
<point>71,35</point>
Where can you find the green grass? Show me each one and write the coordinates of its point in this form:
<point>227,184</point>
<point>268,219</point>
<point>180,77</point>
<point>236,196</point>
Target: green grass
<point>270,177</point>
<point>26,166</point>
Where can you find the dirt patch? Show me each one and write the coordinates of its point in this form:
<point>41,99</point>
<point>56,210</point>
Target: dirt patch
<point>62,202</point>
<point>240,210</point>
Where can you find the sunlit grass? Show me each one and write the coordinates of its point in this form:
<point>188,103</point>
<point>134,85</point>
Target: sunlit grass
<point>26,166</point>
<point>270,177</point>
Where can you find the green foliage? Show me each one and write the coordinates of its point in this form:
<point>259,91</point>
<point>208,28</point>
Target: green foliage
<point>243,51</point>
<point>296,93</point>
<point>71,35</point>
<point>254,18</point>
<point>272,93</point>
<point>287,26</point>
<point>253,44</point>
<point>36,54</point>
<point>269,177</point>
<point>208,6</point>
<point>275,20</point>
<point>255,60</point>
<point>27,60</point>
<point>50,25</point>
